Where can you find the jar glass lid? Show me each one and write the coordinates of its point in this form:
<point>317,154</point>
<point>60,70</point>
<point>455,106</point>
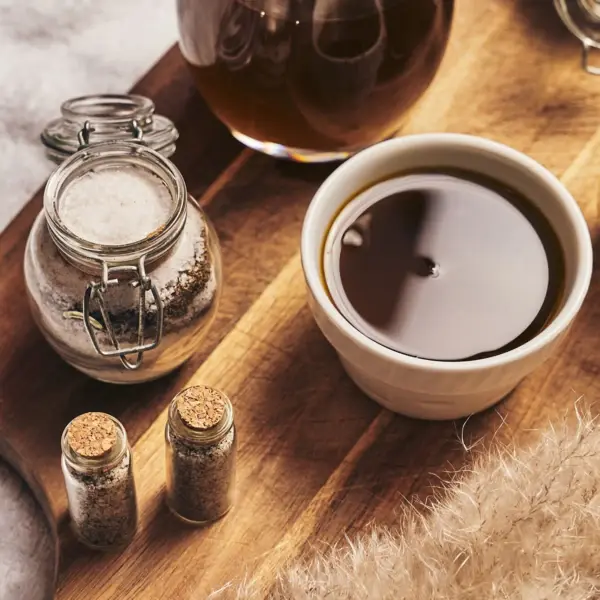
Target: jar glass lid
<point>582,17</point>
<point>106,117</point>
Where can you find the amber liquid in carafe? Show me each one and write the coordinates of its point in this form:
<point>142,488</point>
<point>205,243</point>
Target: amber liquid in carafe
<point>305,76</point>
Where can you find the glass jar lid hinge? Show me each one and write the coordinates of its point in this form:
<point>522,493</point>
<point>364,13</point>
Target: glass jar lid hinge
<point>109,117</point>
<point>83,136</point>
<point>95,292</point>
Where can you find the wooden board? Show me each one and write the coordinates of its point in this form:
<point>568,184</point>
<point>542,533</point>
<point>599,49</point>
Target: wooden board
<point>318,460</point>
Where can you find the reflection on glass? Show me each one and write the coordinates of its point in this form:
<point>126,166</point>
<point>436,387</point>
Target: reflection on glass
<point>313,75</point>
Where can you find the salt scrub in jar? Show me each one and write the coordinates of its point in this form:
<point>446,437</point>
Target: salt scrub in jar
<point>122,267</point>
<point>98,472</point>
<point>201,447</point>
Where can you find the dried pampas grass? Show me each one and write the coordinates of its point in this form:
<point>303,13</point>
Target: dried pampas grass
<point>520,524</point>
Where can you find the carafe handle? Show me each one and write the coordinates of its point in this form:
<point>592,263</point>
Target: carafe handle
<point>588,49</point>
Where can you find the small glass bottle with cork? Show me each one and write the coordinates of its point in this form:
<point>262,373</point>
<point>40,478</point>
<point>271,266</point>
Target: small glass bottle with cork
<point>201,455</point>
<point>97,468</point>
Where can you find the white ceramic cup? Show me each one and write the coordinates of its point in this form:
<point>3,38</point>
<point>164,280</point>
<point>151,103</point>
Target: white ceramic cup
<point>430,389</point>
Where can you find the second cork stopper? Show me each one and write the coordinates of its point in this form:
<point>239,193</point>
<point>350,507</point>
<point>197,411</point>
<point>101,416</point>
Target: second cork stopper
<point>201,407</point>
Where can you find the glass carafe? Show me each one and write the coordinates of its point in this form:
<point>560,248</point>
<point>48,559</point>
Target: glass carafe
<point>313,80</point>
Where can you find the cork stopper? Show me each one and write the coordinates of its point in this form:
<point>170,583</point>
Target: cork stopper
<point>92,435</point>
<point>201,407</point>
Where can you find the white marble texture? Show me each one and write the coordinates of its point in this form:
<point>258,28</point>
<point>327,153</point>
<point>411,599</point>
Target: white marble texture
<point>51,50</point>
<point>26,543</point>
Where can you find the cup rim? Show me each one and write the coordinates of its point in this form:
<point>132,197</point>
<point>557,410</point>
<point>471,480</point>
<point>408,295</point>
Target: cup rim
<point>572,304</point>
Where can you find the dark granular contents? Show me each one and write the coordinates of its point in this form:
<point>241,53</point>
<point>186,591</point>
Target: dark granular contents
<point>178,296</point>
<point>103,506</point>
<point>202,478</point>
<point>184,291</point>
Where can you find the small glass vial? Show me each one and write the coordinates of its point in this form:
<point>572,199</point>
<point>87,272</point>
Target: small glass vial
<point>97,467</point>
<point>201,455</point>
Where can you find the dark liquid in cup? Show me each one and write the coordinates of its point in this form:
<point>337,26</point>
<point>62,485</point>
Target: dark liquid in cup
<point>314,74</point>
<point>448,266</point>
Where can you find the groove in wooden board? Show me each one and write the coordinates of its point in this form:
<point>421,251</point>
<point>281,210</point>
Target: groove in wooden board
<point>481,20</point>
<point>583,181</point>
<point>225,177</point>
<point>9,455</point>
<point>306,526</point>
<point>268,365</point>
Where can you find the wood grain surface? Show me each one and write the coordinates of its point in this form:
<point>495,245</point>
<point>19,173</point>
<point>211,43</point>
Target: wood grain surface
<point>317,459</point>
